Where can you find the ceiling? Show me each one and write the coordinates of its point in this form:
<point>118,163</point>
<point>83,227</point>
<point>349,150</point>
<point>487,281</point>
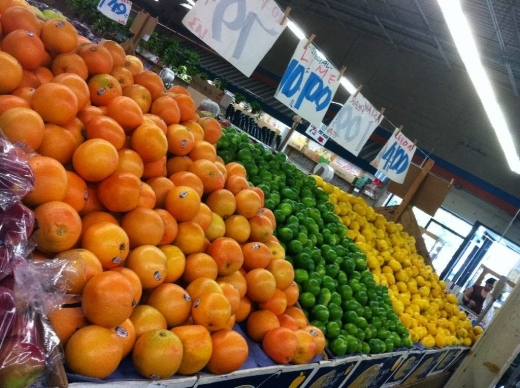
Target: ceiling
<point>402,53</point>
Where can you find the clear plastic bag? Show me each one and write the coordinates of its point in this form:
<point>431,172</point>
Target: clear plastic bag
<point>16,176</point>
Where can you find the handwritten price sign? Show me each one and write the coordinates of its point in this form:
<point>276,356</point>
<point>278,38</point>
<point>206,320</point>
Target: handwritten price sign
<point>318,133</point>
<point>354,123</point>
<point>117,10</point>
<point>241,31</point>
<point>394,158</point>
<point>309,83</point>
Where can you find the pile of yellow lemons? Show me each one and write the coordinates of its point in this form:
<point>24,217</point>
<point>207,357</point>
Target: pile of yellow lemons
<point>418,296</point>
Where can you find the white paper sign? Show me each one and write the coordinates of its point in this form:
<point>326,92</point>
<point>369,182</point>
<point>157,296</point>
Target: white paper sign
<point>241,31</point>
<point>117,10</point>
<point>308,84</point>
<point>354,123</point>
<point>394,158</point>
<point>318,133</point>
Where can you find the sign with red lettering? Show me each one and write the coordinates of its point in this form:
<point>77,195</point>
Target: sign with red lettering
<point>241,31</point>
<point>354,123</point>
<point>309,83</point>
<point>318,133</point>
<point>394,158</point>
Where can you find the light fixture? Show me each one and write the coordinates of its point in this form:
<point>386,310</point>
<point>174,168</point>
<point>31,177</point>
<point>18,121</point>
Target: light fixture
<point>461,33</point>
<point>191,2</point>
<point>348,85</point>
<point>294,28</point>
<point>189,6</point>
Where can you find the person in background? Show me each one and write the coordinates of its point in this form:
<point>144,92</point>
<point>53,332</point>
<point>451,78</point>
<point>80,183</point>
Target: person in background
<point>475,296</point>
<point>209,106</point>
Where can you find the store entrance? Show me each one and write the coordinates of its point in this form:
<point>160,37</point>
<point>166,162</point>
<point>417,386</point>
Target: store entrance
<point>483,253</point>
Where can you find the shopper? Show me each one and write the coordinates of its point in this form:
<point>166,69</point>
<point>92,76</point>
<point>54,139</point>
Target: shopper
<point>475,296</point>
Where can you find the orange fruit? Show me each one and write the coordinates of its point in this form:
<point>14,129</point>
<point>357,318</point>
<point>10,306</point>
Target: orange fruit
<point>306,348</point>
<point>66,320</point>
<point>260,322</point>
<point>222,202</point>
<point>11,75</point>
<point>147,196</point>
<point>133,64</point>
<point>69,63</point>
<point>119,192</point>
<point>95,217</point>
<point>177,164</point>
<point>139,94</point>
<point>236,183</point>
<point>150,81</point>
<point>280,344</point>
<point>230,351</point>
<point>237,279</point>
<point>204,217</point>
<point>43,74</point>
<point>185,178</point>
<point>235,168</point>
<point>319,338</point>
<point>143,226</point>
<point>106,128</point>
<point>93,351</point>
<point>212,129</point>
<point>126,112</point>
<point>108,241</point>
<point>277,304</point>
<point>248,203</point>
<point>24,92</point>
<point>237,228</point>
<point>97,58</point>
<point>17,17</point>
<point>203,285</point>
<point>216,229</point>
<point>84,265</point>
<point>180,139</point>
<point>209,174</point>
<point>149,263</point>
<point>228,255</point>
<point>161,186</point>
<point>211,310</point>
<point>103,88</point>
<point>9,101</point>
<point>256,255</point>
<point>265,211</point>
<point>197,348</point>
<point>182,202</point>
<point>50,181</point>
<point>146,318</point>
<point>155,169</point>
<point>204,150</point>
<point>298,315</point>
<point>23,126</point>
<point>199,265</point>
<point>186,106</point>
<point>107,299</point>
<point>149,142</point>
<point>116,51</point>
<point>55,103</point>
<point>132,278</point>
<point>261,228</point>
<point>126,334</point>
<point>78,86</point>
<point>244,309</point>
<point>76,127</point>
<point>124,76</point>
<point>276,249</point>
<point>95,160</point>
<point>170,226</point>
<point>59,226</point>
<point>93,202</point>
<point>86,114</point>
<point>157,121</point>
<point>177,89</point>
<point>232,295</point>
<point>283,273</point>
<point>167,109</point>
<point>77,192</point>
<point>157,354</point>
<point>287,321</point>
<point>221,167</point>
<point>172,301</point>
<point>196,129</point>
<point>261,285</point>
<point>175,262</point>
<point>59,36</point>
<point>130,161</point>
<point>190,237</point>
<point>292,294</point>
<point>57,143</point>
<point>25,46</point>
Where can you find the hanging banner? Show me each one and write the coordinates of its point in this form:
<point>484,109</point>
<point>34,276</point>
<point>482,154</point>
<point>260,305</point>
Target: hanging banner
<point>117,10</point>
<point>309,83</point>
<point>318,133</point>
<point>241,31</point>
<point>394,158</point>
<point>354,123</point>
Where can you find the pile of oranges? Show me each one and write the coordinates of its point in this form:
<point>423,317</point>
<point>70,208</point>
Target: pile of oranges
<point>165,246</point>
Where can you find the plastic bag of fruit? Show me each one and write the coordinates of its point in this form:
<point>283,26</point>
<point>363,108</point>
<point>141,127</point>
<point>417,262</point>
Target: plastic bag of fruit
<point>16,176</point>
<point>29,348</point>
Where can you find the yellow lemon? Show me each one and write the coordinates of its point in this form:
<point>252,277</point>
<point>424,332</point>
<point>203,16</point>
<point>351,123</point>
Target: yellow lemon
<point>428,341</point>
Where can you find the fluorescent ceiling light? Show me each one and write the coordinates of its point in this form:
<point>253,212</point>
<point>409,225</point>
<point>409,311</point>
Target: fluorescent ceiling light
<point>461,33</point>
<point>348,85</point>
<point>189,6</point>
<point>191,2</point>
<point>294,28</point>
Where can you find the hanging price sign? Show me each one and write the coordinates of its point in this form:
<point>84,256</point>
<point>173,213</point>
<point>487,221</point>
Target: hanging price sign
<point>308,84</point>
<point>354,123</point>
<point>241,31</point>
<point>395,157</point>
<point>117,10</point>
<point>318,133</point>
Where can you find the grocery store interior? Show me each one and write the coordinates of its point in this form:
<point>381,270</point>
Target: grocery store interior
<point>460,201</point>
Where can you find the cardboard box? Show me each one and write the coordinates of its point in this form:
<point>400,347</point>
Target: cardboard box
<point>205,88</point>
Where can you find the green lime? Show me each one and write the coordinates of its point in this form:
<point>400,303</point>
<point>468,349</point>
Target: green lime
<point>389,345</point>
<point>279,216</point>
<point>324,297</point>
<point>348,266</point>
<point>285,234</point>
<point>362,323</point>
<point>335,298</point>
<point>329,283</point>
<point>342,278</point>
<point>336,312</point>
<point>368,333</point>
<point>333,329</point>
<point>338,347</point>
<point>353,344</point>
<point>311,285</point>
<point>365,348</point>
<point>361,297</point>
<point>300,275</point>
<point>355,285</point>
<point>307,300</point>
<point>382,333</point>
<point>350,328</point>
<point>295,246</point>
<point>320,312</point>
<point>350,317</point>
<point>345,291</point>
<point>332,270</point>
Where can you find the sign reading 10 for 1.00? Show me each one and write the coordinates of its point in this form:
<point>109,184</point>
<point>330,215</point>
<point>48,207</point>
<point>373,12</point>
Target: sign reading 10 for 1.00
<point>118,10</point>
